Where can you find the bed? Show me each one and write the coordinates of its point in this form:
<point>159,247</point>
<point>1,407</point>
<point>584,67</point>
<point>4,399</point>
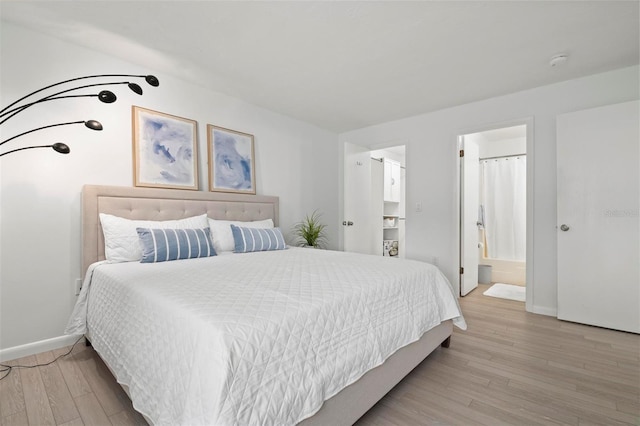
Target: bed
<point>267,337</point>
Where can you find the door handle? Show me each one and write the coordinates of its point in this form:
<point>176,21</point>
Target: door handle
<point>564,227</point>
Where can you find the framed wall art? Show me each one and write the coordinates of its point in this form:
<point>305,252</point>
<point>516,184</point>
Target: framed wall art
<point>231,160</point>
<point>165,151</point>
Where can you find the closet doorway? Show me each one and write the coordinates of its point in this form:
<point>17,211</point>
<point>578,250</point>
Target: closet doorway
<point>374,200</point>
<point>493,211</point>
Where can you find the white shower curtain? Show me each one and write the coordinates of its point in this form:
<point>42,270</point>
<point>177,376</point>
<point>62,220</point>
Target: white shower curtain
<point>504,196</point>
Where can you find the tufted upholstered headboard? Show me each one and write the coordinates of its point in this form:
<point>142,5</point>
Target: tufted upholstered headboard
<point>162,204</point>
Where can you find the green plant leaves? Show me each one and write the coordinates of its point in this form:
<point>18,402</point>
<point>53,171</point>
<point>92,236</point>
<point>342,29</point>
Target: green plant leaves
<point>310,231</point>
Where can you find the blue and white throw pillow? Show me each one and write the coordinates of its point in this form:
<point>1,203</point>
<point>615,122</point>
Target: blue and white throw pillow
<point>257,239</point>
<point>161,245</point>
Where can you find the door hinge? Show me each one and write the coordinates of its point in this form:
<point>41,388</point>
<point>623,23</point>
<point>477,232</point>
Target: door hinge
<point>461,270</point>
<point>462,153</point>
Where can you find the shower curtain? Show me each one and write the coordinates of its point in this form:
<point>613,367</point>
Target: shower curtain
<point>503,196</point>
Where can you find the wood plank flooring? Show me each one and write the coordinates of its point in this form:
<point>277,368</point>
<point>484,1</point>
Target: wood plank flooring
<point>510,367</point>
<point>75,390</point>
<point>517,368</point>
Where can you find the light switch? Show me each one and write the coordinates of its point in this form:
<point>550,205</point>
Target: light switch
<point>418,207</point>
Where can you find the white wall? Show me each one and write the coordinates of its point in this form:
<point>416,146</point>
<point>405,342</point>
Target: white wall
<point>502,147</point>
<point>431,150</point>
<point>40,190</point>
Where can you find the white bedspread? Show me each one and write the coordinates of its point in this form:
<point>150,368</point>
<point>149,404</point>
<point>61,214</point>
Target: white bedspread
<point>258,338</point>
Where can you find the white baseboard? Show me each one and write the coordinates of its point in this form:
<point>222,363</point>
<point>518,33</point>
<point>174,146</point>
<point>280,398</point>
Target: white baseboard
<point>543,310</point>
<point>36,347</point>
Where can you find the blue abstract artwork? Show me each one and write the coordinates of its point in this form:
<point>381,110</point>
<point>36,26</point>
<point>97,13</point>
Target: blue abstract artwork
<point>165,148</point>
<point>231,161</point>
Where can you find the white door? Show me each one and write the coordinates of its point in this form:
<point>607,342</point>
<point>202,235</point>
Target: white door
<point>598,216</point>
<point>469,203</point>
<point>357,222</point>
<point>377,207</point>
<point>402,213</point>
<point>392,181</point>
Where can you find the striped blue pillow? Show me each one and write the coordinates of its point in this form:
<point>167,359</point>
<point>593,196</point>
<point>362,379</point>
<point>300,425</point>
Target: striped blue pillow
<point>161,245</point>
<point>257,239</point>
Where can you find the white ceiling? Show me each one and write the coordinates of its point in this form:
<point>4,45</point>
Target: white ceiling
<point>347,65</point>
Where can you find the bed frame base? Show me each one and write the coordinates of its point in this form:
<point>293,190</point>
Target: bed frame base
<point>446,343</point>
<point>348,405</point>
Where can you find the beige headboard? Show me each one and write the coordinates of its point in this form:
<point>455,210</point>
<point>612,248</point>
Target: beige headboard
<point>162,204</point>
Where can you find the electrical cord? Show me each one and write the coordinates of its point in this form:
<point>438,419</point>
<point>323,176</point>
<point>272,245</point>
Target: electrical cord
<point>4,368</point>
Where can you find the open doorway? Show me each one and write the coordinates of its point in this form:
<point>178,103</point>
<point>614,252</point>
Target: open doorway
<point>493,211</point>
<point>390,181</point>
<point>374,200</point>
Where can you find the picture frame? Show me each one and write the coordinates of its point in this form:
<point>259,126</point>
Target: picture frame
<point>165,150</point>
<point>231,160</point>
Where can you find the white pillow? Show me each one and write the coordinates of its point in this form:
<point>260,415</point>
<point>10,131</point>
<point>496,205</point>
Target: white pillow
<point>121,242</point>
<point>222,235</point>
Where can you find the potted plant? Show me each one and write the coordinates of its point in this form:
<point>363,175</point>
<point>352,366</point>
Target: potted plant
<point>310,232</point>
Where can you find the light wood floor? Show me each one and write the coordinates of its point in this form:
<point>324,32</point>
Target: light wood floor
<point>509,367</point>
<point>517,368</point>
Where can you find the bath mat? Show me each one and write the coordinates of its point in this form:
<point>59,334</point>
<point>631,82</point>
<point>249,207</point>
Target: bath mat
<point>506,291</point>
